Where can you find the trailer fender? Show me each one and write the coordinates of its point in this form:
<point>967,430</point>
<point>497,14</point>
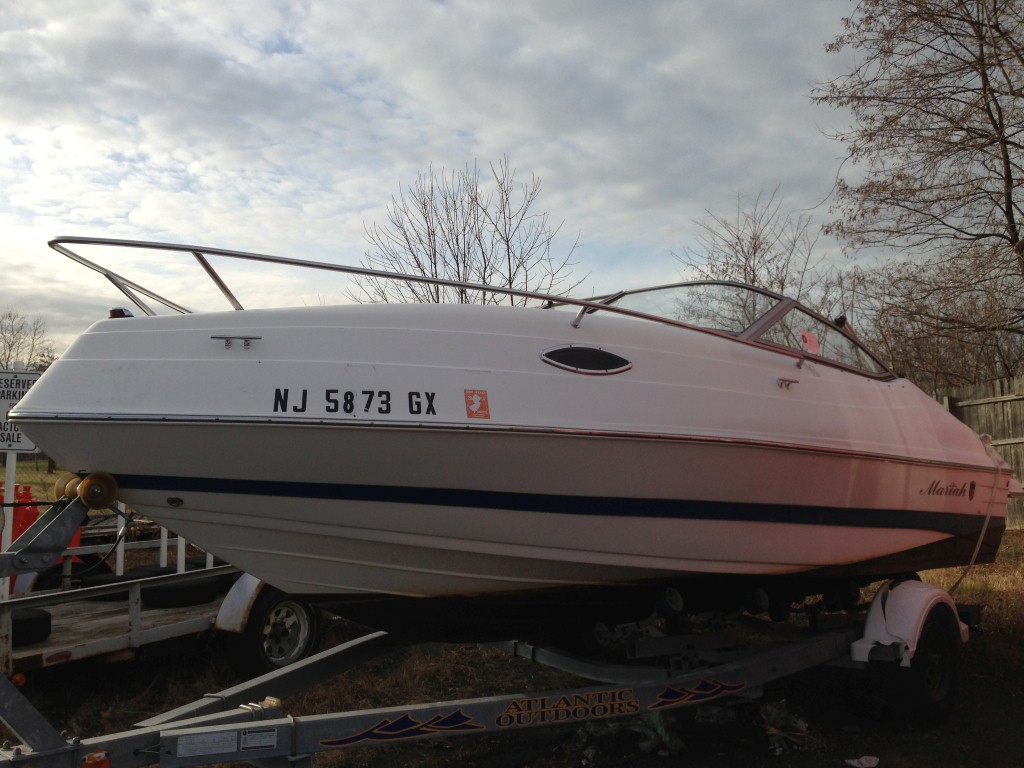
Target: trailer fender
<point>237,606</point>
<point>896,618</point>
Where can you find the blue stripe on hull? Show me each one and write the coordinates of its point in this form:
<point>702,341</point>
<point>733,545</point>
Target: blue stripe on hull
<point>941,522</point>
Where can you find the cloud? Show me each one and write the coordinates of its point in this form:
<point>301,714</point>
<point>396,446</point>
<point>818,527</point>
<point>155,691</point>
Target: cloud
<point>287,126</point>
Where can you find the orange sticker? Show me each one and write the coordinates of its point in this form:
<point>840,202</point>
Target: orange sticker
<point>810,342</point>
<point>476,404</point>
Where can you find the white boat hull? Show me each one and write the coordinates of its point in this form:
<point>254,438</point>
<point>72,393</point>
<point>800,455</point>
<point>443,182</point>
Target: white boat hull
<point>437,451</point>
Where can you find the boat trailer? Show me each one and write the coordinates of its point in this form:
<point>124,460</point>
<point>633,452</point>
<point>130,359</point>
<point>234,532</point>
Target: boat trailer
<point>227,727</point>
<point>246,723</point>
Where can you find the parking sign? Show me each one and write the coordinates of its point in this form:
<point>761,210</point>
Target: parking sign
<point>13,386</point>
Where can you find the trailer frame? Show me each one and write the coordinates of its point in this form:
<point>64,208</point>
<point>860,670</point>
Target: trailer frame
<point>229,727</point>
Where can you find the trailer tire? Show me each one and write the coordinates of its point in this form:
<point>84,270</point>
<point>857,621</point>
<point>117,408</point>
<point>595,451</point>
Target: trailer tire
<point>224,581</point>
<point>28,626</point>
<point>82,567</point>
<point>281,629</point>
<point>104,579</point>
<point>181,595</point>
<point>933,670</point>
<point>923,693</point>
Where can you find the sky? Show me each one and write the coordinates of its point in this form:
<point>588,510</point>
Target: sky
<point>287,126</point>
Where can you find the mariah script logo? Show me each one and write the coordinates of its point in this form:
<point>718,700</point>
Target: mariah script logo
<point>950,489</point>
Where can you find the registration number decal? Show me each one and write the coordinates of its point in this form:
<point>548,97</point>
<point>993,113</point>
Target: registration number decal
<point>361,402</point>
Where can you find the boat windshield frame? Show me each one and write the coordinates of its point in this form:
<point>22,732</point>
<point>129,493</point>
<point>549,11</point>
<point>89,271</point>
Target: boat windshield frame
<point>758,331</point>
<point>761,316</point>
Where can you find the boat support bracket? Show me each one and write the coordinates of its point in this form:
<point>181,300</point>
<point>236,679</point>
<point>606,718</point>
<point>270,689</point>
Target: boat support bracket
<point>42,544</point>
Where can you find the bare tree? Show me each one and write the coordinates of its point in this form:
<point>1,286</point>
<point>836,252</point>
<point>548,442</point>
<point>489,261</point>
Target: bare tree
<point>764,246</point>
<point>24,339</point>
<point>938,101</point>
<point>937,98</point>
<point>451,226</point>
<point>942,330</point>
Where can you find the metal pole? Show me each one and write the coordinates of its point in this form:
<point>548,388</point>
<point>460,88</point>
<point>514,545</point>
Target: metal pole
<point>122,523</point>
<point>163,547</point>
<point>8,516</point>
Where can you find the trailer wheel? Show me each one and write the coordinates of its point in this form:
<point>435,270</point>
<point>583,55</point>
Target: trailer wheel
<point>923,694</point>
<point>281,630</point>
<point>933,670</point>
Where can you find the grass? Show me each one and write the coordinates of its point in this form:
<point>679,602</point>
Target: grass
<point>992,580</point>
<point>33,471</point>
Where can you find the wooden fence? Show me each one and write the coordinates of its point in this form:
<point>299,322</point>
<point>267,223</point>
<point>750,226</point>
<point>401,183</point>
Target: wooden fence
<point>995,408</point>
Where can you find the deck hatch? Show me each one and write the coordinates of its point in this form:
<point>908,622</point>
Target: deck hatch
<point>589,360</point>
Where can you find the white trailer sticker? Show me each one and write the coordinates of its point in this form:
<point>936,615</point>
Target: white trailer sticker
<point>207,744</point>
<point>259,738</point>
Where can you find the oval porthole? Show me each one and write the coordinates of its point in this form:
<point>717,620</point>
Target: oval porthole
<point>590,360</point>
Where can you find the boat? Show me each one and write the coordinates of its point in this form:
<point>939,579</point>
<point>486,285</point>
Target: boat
<point>436,468</point>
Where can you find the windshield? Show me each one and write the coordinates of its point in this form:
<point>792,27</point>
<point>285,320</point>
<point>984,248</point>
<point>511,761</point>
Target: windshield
<point>800,330</point>
<point>718,306</point>
<point>746,312</point>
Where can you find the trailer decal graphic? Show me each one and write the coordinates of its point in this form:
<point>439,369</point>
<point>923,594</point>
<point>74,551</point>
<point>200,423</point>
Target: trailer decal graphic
<point>407,727</point>
<point>705,690</point>
<point>542,710</point>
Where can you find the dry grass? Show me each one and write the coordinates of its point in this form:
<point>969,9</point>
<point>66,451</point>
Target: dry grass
<point>998,588</point>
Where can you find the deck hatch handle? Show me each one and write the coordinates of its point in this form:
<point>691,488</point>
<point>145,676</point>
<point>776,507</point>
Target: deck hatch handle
<point>228,338</point>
